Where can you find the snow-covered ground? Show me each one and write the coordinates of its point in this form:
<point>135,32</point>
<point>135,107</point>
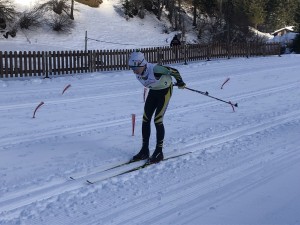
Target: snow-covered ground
<point>243,166</point>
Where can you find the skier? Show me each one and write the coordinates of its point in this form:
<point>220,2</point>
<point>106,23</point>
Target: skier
<point>158,79</point>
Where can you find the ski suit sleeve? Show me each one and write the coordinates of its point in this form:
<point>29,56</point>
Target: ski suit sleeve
<point>169,71</point>
<point>166,70</point>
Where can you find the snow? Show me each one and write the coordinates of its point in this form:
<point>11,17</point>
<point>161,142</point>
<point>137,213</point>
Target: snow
<point>286,38</point>
<point>105,28</point>
<point>243,167</point>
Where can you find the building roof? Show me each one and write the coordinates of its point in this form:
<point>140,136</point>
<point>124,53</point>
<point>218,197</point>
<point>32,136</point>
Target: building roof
<point>289,28</point>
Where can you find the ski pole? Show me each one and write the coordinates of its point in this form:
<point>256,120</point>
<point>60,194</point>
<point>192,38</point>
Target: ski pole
<point>207,94</point>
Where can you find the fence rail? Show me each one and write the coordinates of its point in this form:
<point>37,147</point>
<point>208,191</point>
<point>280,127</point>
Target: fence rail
<point>48,63</point>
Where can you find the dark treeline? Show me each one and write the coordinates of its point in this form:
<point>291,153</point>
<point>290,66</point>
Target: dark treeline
<point>220,20</point>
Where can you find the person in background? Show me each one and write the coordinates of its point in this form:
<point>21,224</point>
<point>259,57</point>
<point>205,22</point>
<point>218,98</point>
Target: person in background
<point>158,79</point>
<point>175,41</point>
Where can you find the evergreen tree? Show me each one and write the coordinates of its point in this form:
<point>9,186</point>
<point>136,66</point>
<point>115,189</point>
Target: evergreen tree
<point>296,44</point>
<point>255,10</point>
<point>281,13</point>
<point>297,18</point>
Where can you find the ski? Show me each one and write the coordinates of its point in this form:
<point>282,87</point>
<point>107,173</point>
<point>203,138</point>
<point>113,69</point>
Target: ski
<point>149,164</point>
<point>144,165</point>
<point>110,168</point>
<point>89,182</point>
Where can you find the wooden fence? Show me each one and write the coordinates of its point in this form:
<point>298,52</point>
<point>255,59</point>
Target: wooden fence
<point>29,64</point>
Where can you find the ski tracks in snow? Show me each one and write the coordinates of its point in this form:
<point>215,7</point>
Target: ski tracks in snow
<point>77,129</point>
<point>189,197</point>
<point>219,168</point>
<point>14,203</point>
<point>185,200</point>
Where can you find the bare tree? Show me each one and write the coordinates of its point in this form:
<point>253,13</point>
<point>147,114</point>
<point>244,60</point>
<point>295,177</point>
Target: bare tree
<point>61,23</point>
<point>7,10</point>
<point>57,6</point>
<point>72,10</point>
<point>30,18</point>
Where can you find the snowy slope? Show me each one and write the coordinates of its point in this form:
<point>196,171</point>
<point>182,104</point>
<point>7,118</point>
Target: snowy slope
<point>105,25</point>
<point>243,166</point>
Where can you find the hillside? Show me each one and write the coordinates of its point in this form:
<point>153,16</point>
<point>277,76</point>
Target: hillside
<point>106,25</point>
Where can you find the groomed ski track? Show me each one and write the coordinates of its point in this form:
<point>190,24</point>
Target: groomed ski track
<point>60,131</point>
<point>219,169</point>
<point>26,197</point>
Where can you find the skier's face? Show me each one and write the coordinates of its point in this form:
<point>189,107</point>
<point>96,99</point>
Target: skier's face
<point>137,69</point>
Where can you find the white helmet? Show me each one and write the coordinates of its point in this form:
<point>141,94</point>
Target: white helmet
<point>137,59</point>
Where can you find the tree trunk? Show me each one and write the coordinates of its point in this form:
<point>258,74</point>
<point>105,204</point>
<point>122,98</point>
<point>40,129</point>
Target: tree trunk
<point>72,10</point>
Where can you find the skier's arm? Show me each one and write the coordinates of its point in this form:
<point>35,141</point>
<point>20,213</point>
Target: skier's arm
<point>166,70</point>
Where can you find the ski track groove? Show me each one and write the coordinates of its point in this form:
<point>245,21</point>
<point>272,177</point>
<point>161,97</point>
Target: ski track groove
<point>16,201</point>
<point>101,125</point>
<point>187,194</point>
<point>282,162</point>
<point>57,132</point>
<point>59,90</point>
<point>74,100</point>
<point>237,176</point>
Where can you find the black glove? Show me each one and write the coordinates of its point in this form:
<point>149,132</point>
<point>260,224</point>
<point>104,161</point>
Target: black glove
<point>180,84</point>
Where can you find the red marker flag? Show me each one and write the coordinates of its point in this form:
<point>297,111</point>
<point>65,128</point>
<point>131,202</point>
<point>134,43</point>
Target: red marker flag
<point>66,88</point>
<point>133,123</point>
<point>37,109</point>
<point>225,82</point>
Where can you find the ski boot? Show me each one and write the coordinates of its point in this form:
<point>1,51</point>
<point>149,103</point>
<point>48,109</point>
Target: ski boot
<point>143,154</point>
<point>156,157</point>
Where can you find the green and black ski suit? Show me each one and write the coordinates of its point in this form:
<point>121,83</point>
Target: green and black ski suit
<point>159,81</point>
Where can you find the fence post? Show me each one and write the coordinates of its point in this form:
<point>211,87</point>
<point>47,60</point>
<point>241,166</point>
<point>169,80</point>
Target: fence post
<point>85,41</point>
<point>208,52</point>
<point>228,50</point>
<point>1,64</point>
<point>90,63</point>
<point>185,58</point>
<point>248,49</point>
<point>11,68</point>
<point>159,55</point>
<point>6,64</point>
<point>94,61</point>
<point>279,49</point>
<point>45,65</point>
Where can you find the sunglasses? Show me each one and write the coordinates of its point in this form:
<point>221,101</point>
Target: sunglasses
<point>135,68</point>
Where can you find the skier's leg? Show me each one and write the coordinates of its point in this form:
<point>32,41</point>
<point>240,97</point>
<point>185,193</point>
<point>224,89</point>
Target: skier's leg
<point>158,120</point>
<point>149,108</point>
